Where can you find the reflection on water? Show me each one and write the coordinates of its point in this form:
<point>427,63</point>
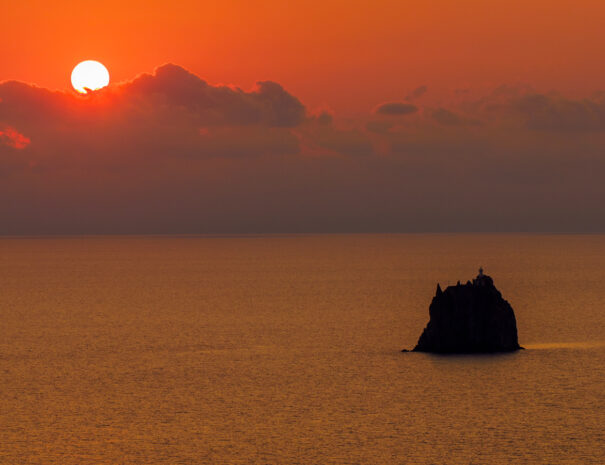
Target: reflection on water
<point>285,349</point>
<point>567,345</point>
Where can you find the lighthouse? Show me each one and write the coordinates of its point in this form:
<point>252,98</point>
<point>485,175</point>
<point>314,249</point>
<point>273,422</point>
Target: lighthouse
<point>481,278</point>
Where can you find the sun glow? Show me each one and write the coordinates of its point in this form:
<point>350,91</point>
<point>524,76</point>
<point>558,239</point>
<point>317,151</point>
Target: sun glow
<point>89,75</point>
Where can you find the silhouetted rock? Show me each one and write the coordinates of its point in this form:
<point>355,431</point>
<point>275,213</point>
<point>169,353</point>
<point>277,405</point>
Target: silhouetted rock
<point>469,318</point>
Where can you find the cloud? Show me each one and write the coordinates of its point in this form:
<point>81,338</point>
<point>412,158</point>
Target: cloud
<point>555,113</point>
<point>150,116</point>
<point>551,112</point>
<point>269,104</point>
<point>168,152</point>
<point>11,138</point>
<point>416,93</point>
<point>171,92</point>
<point>325,118</point>
<point>396,109</point>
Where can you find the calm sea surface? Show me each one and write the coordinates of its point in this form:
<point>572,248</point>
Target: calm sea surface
<point>286,350</point>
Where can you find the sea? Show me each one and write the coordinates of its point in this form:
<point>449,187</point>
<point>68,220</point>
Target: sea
<point>286,349</point>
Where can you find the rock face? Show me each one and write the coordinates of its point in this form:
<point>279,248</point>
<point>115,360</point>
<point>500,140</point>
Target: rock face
<point>470,318</point>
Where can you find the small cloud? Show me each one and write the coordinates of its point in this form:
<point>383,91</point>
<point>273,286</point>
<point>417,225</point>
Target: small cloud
<point>12,138</point>
<point>396,109</point>
<point>416,93</point>
<point>325,118</point>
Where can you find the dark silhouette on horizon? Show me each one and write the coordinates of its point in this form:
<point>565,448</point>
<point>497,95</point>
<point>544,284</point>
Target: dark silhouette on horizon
<point>469,318</point>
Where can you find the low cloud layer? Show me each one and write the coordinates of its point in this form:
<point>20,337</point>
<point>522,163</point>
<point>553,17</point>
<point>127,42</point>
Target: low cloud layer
<point>169,153</point>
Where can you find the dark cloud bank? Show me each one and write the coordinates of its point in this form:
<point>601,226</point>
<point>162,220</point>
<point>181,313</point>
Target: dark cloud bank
<point>170,153</point>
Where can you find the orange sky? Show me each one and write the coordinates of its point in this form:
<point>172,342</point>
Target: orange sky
<point>166,152</point>
<point>347,55</point>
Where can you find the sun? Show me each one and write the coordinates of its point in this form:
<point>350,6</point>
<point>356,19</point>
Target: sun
<point>89,75</point>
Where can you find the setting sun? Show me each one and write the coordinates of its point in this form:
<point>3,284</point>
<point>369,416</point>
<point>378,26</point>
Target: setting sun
<point>89,75</point>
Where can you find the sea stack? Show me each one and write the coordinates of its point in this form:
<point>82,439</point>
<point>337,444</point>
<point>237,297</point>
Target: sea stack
<point>469,318</point>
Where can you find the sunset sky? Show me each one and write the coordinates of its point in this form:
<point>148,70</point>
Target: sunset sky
<point>272,116</point>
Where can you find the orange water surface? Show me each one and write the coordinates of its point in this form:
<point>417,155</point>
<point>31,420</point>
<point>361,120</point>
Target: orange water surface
<point>286,350</point>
